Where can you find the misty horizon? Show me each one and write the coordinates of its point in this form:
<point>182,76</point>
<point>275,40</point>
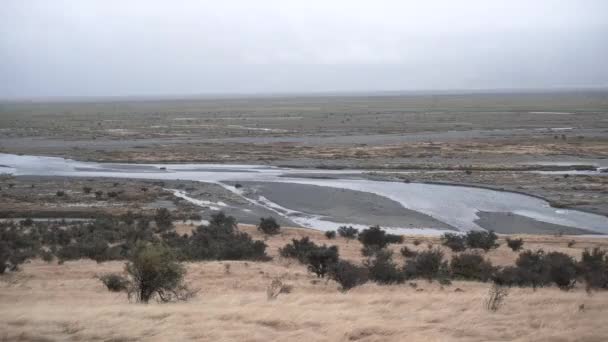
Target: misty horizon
<point>70,49</point>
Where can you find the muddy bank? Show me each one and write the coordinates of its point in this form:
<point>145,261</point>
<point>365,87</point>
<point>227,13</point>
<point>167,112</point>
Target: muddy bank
<point>341,205</point>
<point>509,223</point>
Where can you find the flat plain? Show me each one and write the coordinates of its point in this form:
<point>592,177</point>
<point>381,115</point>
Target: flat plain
<point>50,302</point>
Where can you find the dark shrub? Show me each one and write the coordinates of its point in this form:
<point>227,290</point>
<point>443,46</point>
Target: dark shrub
<point>348,232</point>
<point>562,270</point>
<point>163,219</point>
<point>154,271</point>
<point>428,264</point>
<point>92,247</point>
<point>593,268</point>
<point>417,242</point>
<point>471,266</point>
<point>348,275</point>
<point>298,249</point>
<point>223,222</point>
<point>98,194</point>
<point>112,194</point>
<point>115,282</point>
<point>481,239</point>
<point>377,237</point>
<point>318,258</point>
<point>382,269</point>
<point>533,270</point>
<point>321,258</point>
<point>17,245</point>
<point>394,238</point>
<point>87,190</point>
<point>220,240</point>
<point>537,269</point>
<point>571,243</point>
<point>408,253</point>
<point>129,218</point>
<point>515,244</point>
<point>269,226</point>
<point>60,193</point>
<point>508,276</point>
<point>28,222</point>
<point>455,242</point>
<point>330,234</point>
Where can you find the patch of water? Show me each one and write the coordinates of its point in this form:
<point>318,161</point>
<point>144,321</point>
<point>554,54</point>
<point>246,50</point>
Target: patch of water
<point>457,206</point>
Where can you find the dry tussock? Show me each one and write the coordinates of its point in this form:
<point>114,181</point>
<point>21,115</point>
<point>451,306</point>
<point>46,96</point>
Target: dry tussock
<point>49,302</point>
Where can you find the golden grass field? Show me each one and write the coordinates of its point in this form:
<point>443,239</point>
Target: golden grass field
<point>50,302</point>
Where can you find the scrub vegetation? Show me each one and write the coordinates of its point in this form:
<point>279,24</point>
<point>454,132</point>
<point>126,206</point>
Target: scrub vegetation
<point>223,273</point>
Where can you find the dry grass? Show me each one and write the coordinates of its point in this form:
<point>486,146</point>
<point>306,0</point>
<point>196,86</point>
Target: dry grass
<point>48,302</point>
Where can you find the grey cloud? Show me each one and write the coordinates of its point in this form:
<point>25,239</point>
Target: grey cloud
<point>109,48</point>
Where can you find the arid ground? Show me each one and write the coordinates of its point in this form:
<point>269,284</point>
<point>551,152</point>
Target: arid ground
<point>50,302</point>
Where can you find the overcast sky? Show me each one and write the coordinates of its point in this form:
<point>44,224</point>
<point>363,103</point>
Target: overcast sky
<point>119,47</point>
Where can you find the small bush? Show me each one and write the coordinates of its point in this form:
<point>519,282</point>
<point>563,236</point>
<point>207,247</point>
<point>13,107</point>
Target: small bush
<point>321,258</point>
<point>378,238</point>
<point>455,242</point>
<point>330,234</point>
<point>277,287</point>
<point>60,193</point>
<point>428,264</point>
<point>298,249</point>
<point>382,269</point>
<point>115,282</point>
<point>269,226</point>
<point>87,190</point>
<point>471,266</point>
<point>155,272</point>
<point>593,268</point>
<point>28,222</point>
<point>508,276</point>
<point>496,297</point>
<point>163,219</point>
<point>348,232</point>
<point>318,258</point>
<point>562,270</point>
<point>394,238</point>
<point>571,243</point>
<point>532,270</point>
<point>219,240</point>
<point>98,194</point>
<point>481,239</point>
<point>515,244</point>
<point>348,275</point>
<point>537,269</point>
<point>417,242</point>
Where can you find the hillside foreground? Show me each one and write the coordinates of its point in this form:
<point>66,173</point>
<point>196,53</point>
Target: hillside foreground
<point>51,302</point>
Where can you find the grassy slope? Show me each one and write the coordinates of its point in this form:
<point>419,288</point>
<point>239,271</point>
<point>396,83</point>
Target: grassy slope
<point>65,302</point>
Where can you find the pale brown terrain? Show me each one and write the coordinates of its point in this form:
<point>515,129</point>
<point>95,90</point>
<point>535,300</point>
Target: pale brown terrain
<point>50,302</point>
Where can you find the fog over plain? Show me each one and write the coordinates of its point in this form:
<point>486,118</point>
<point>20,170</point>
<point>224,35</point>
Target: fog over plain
<point>120,48</point>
